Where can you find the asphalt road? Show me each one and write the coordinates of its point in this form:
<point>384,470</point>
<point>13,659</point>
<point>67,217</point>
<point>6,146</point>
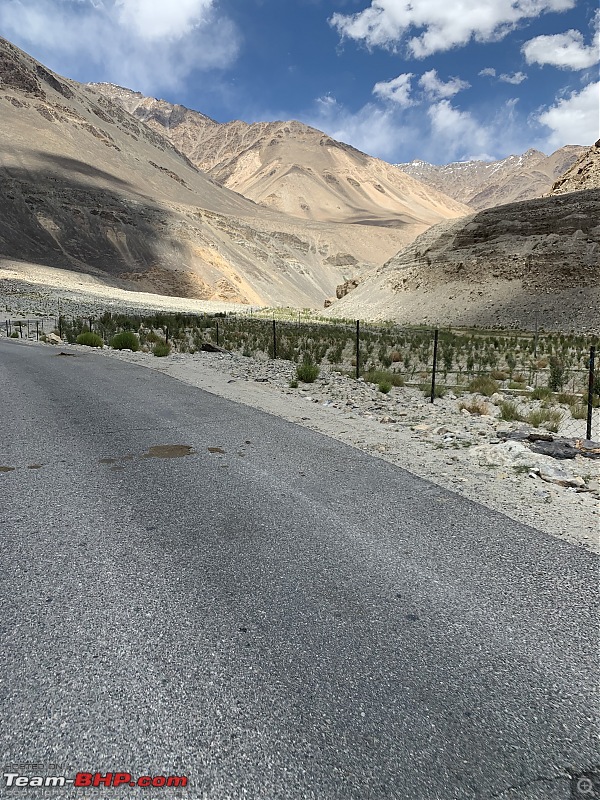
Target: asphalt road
<point>287,618</point>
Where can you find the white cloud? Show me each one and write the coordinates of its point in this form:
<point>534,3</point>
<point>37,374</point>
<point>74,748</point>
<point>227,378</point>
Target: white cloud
<point>396,91</point>
<point>564,50</point>
<point>573,119</point>
<point>142,44</point>
<point>439,132</point>
<point>515,78</point>
<point>443,25</point>
<point>459,134</point>
<point>372,129</point>
<point>488,72</point>
<point>436,89</point>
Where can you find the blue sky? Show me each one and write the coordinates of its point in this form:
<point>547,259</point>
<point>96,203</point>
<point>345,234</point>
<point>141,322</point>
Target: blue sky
<point>429,79</point>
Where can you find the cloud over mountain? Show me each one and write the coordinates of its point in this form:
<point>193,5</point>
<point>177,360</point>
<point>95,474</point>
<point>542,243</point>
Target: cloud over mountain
<point>143,43</point>
<point>387,23</point>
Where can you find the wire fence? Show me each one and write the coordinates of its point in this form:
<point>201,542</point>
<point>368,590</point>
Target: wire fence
<point>549,380</point>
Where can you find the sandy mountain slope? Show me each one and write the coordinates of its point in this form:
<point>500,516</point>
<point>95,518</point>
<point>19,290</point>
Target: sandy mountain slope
<point>484,184</point>
<point>85,186</point>
<point>496,267</point>
<point>293,168</point>
<point>584,174</point>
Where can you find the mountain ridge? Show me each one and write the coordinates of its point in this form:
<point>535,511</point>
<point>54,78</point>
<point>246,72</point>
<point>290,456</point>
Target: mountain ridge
<point>98,191</point>
<point>484,184</point>
<point>292,167</point>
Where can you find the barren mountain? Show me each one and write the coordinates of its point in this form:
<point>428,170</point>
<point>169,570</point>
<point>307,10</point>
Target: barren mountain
<point>293,168</point>
<point>584,174</point>
<point>86,186</point>
<point>484,184</point>
<point>496,267</point>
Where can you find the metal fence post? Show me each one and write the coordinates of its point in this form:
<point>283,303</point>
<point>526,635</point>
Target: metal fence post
<point>217,327</point>
<point>37,331</point>
<point>357,348</point>
<point>590,404</point>
<point>435,349</point>
<point>274,339</point>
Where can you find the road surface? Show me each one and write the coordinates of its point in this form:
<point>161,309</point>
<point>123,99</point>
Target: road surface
<point>191,587</point>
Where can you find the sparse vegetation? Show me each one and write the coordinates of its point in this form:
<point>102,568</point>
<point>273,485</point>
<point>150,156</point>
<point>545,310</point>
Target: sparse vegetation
<point>509,411</point>
<point>439,392</point>
<point>161,349</point>
<point>307,372</point>
<point>484,385</point>
<point>543,417</point>
<point>126,340</point>
<point>541,393</point>
<point>90,339</point>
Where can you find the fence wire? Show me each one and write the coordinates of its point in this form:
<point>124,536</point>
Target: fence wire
<point>544,379</point>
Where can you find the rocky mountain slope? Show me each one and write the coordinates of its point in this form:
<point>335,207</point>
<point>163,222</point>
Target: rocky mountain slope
<point>501,266</point>
<point>87,187</point>
<point>583,174</point>
<point>484,184</point>
<point>293,168</point>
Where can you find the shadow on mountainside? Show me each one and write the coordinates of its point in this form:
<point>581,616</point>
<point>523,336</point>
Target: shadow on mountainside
<point>54,219</point>
<point>74,166</point>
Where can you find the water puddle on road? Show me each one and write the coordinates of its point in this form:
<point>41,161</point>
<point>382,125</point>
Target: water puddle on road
<point>158,451</point>
<point>169,451</point>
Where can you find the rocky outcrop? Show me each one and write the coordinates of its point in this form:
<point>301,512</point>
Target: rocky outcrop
<point>344,288</point>
<point>584,174</point>
<point>502,266</point>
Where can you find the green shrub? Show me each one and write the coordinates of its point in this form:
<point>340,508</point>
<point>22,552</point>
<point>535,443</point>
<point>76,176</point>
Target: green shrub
<point>498,375</point>
<point>161,349</point>
<point>14,335</point>
<point>127,340</point>
<point>567,399</point>
<point>383,376</point>
<point>485,385</point>
<point>308,371</point>
<point>541,393</point>
<point>549,419</point>
<point>509,411</point>
<point>579,412</point>
<point>90,339</point>
<point>293,384</point>
<point>385,386</point>
<point>557,375</point>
